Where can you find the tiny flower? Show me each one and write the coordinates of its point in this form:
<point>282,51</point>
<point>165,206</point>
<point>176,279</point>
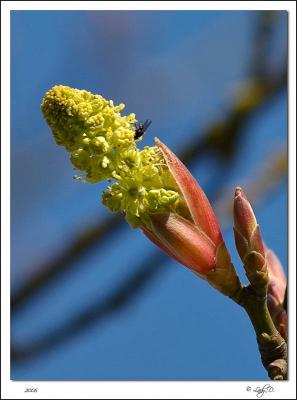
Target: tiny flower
<point>249,243</point>
<point>276,292</point>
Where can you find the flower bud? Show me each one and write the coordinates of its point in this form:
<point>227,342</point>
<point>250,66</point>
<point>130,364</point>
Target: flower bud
<point>194,237</point>
<point>249,242</point>
<point>276,293</point>
<point>186,241</point>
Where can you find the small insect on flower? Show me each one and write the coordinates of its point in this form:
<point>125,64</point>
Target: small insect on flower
<point>141,128</point>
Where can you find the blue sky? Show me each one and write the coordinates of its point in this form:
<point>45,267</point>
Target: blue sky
<point>180,70</point>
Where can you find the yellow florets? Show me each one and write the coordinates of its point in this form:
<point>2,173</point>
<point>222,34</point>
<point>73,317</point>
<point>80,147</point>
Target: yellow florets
<point>90,127</point>
<point>141,187</point>
<point>101,143</point>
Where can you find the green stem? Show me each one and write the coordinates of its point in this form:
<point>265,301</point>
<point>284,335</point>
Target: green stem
<point>272,346</point>
<point>257,310</point>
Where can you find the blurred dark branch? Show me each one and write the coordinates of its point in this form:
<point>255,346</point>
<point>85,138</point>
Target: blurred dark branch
<point>269,176</point>
<point>222,137</point>
<point>99,311</point>
<point>221,140</point>
<point>80,246</point>
<point>262,43</point>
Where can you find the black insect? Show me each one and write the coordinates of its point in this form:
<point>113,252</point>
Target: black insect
<point>141,128</point>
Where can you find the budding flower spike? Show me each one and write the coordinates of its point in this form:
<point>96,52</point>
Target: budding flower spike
<point>90,127</point>
<point>192,234</point>
<point>157,193</point>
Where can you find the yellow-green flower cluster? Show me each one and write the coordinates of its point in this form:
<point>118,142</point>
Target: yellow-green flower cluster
<point>101,143</point>
<point>144,186</point>
<point>88,126</point>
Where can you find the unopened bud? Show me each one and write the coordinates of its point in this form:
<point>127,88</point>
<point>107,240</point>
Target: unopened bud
<point>249,242</point>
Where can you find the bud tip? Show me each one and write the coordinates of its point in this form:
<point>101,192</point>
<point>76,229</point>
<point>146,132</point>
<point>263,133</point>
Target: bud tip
<point>238,191</point>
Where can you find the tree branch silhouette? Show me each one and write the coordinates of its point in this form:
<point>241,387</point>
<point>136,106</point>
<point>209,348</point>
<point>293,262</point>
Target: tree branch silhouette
<point>262,45</point>
<point>99,311</point>
<point>268,178</point>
